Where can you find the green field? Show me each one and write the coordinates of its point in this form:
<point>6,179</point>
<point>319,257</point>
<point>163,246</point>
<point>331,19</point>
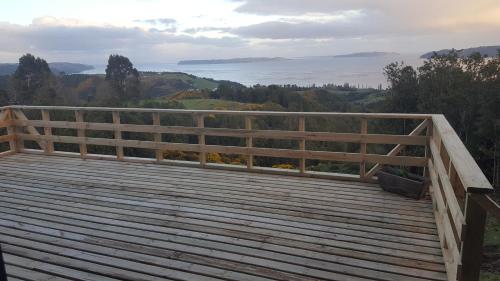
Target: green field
<point>196,82</point>
<point>209,104</point>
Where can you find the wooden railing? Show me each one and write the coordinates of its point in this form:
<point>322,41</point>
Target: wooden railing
<point>458,188</point>
<point>460,197</point>
<point>26,130</point>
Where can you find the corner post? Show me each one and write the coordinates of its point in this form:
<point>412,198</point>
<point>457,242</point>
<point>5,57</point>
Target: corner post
<point>200,121</point>
<point>427,154</point>
<point>249,142</point>
<point>472,245</point>
<point>302,144</point>
<point>118,134</point>
<point>362,149</point>
<point>157,136</point>
<point>49,145</point>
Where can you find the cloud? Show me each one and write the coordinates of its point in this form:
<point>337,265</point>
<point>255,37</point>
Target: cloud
<point>159,21</point>
<point>260,28</point>
<point>348,25</point>
<point>207,28</point>
<point>78,40</point>
<point>299,7</point>
<point>302,19</point>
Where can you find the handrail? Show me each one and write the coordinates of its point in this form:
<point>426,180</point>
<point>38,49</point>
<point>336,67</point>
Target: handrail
<point>471,176</point>
<point>230,112</point>
<point>459,191</point>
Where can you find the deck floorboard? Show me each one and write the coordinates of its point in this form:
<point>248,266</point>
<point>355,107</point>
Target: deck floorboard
<point>64,218</point>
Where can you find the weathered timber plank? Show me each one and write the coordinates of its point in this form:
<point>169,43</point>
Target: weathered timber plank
<point>19,258</point>
<point>179,228</point>
<point>46,235</point>
<point>24,273</point>
<point>109,177</point>
<point>356,219</point>
<point>346,235</point>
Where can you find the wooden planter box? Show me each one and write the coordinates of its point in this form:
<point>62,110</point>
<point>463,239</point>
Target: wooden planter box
<point>412,186</point>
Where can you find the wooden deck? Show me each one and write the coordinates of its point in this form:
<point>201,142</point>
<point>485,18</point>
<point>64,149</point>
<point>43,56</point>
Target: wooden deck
<point>65,218</point>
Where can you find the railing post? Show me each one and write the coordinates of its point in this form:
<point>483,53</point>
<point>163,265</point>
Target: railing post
<point>49,145</point>
<point>427,154</point>
<point>302,144</point>
<point>472,245</point>
<point>11,131</point>
<point>249,142</point>
<point>362,149</point>
<point>200,121</point>
<point>157,136</point>
<point>118,134</point>
<point>79,118</point>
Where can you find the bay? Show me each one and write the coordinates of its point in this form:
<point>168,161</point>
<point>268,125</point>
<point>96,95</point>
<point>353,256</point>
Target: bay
<point>306,71</point>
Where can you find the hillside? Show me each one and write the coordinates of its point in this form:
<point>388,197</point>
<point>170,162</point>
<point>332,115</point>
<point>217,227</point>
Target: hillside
<point>489,51</point>
<point>55,67</point>
<point>167,83</point>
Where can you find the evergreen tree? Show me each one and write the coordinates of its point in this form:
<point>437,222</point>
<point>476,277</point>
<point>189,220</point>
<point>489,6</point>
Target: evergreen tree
<point>123,77</point>
<point>465,90</point>
<point>33,82</point>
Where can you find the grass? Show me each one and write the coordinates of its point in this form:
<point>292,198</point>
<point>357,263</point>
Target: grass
<point>491,256</point>
<point>217,104</point>
<point>490,277</point>
<point>211,104</point>
<point>196,82</point>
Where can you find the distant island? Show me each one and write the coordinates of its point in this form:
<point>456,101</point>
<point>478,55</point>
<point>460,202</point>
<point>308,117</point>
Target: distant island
<point>233,60</point>
<point>366,55</point>
<point>55,67</point>
<point>489,51</point>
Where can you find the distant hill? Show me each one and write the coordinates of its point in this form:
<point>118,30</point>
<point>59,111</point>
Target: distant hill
<point>233,60</point>
<point>366,55</point>
<point>55,67</point>
<point>69,68</point>
<point>489,51</point>
<point>7,68</point>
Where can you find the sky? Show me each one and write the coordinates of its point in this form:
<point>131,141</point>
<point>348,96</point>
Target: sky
<point>165,31</point>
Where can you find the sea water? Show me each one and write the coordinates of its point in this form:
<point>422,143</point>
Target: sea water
<point>306,71</point>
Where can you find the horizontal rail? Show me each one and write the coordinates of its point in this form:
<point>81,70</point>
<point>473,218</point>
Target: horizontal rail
<point>230,112</point>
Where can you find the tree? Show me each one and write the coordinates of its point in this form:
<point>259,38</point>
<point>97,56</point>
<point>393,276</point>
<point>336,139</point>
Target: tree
<point>123,77</point>
<point>465,90</point>
<point>4,100</point>
<point>33,82</point>
<point>403,91</point>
